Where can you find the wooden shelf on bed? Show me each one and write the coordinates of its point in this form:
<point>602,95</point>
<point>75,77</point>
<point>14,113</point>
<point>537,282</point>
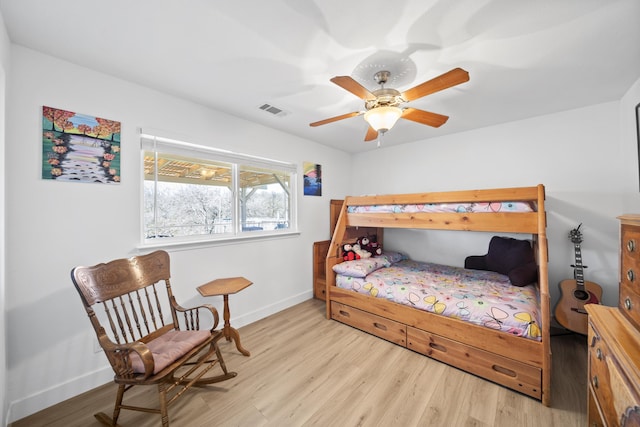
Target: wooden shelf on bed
<point>320,250</point>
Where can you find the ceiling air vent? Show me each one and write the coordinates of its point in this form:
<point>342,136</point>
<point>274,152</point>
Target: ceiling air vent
<point>273,110</point>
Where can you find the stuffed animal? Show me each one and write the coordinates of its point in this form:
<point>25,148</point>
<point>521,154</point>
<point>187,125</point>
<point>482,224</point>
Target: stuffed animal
<point>363,242</point>
<point>371,245</point>
<point>375,248</point>
<point>348,254</point>
<point>361,252</point>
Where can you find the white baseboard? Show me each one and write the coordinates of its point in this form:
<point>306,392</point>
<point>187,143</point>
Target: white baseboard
<point>263,312</point>
<point>19,409</point>
<point>43,399</point>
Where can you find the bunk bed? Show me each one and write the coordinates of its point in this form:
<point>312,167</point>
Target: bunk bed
<point>516,362</point>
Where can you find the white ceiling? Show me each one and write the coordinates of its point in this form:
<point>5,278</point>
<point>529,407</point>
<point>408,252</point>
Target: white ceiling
<point>525,58</point>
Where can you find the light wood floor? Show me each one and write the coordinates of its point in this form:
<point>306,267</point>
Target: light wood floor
<point>306,370</point>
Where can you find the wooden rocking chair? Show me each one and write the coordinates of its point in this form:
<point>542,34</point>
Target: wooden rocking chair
<point>148,338</point>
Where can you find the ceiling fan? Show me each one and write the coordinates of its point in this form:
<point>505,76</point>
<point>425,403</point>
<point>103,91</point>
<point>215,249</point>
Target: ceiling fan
<point>382,106</point>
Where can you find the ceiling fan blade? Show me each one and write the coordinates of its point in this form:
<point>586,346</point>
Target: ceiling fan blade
<point>424,117</point>
<point>335,119</point>
<point>444,81</point>
<point>349,84</point>
<point>371,134</point>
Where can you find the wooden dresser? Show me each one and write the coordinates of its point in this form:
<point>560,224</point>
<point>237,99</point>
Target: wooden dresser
<point>614,341</point>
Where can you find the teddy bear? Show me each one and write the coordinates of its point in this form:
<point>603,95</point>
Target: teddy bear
<point>374,247</point>
<point>370,245</point>
<point>348,254</point>
<point>362,254</point>
<point>363,242</point>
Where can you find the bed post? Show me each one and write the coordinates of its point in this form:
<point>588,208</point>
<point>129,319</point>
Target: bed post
<point>333,253</point>
<point>543,259</point>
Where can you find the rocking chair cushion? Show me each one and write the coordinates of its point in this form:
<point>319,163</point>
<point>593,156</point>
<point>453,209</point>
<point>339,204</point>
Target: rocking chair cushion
<point>168,348</point>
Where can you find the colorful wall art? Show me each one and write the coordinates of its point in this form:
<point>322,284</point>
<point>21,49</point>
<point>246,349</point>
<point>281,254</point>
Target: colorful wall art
<point>79,148</point>
<point>312,179</point>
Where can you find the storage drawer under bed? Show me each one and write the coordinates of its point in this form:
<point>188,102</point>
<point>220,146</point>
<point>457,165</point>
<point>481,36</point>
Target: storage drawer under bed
<point>502,370</point>
<point>375,325</point>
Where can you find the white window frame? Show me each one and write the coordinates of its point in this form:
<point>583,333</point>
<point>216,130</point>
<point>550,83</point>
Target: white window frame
<point>155,143</point>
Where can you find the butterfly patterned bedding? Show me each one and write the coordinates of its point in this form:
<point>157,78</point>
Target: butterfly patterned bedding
<point>483,298</point>
<point>490,207</point>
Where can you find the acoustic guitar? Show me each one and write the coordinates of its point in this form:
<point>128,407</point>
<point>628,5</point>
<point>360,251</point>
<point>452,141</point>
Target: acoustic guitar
<point>576,293</point>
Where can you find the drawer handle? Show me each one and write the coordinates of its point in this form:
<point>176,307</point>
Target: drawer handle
<point>631,245</point>
<point>627,303</point>
<point>504,371</point>
<point>344,313</point>
<point>380,326</point>
<point>630,275</point>
<point>599,354</point>
<point>438,347</point>
<point>595,381</point>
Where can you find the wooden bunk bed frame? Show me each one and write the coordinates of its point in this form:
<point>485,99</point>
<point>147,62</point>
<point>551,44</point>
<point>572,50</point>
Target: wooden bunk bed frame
<point>518,363</point>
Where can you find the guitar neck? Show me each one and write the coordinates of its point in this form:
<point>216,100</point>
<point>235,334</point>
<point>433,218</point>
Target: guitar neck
<point>578,271</point>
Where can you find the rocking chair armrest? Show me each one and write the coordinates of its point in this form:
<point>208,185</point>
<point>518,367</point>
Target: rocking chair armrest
<point>196,309</point>
<point>122,365</point>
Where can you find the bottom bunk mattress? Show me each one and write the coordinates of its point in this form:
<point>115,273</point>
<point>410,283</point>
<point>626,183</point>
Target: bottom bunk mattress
<point>484,298</point>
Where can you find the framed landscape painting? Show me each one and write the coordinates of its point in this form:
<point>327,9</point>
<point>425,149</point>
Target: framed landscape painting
<point>79,148</point>
<point>312,174</point>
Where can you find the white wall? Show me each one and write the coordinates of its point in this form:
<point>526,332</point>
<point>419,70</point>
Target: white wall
<point>54,226</point>
<point>629,152</point>
<point>4,63</point>
<point>581,156</point>
<point>586,158</point>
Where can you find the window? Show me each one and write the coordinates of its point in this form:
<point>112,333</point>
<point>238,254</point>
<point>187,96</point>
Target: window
<point>195,193</point>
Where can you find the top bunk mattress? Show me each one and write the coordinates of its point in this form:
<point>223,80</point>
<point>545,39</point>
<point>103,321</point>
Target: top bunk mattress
<point>490,207</point>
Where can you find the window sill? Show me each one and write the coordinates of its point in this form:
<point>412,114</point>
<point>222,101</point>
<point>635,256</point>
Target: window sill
<point>220,241</point>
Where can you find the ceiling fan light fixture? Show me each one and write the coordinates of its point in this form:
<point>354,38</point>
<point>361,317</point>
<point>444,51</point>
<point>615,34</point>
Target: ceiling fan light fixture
<point>381,119</point>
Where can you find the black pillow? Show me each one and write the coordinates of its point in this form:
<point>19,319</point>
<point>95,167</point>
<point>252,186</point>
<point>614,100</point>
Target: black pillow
<point>524,274</point>
<point>476,262</point>
<point>513,258</point>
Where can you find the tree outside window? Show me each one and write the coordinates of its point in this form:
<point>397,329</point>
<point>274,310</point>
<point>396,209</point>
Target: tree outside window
<point>194,195</point>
